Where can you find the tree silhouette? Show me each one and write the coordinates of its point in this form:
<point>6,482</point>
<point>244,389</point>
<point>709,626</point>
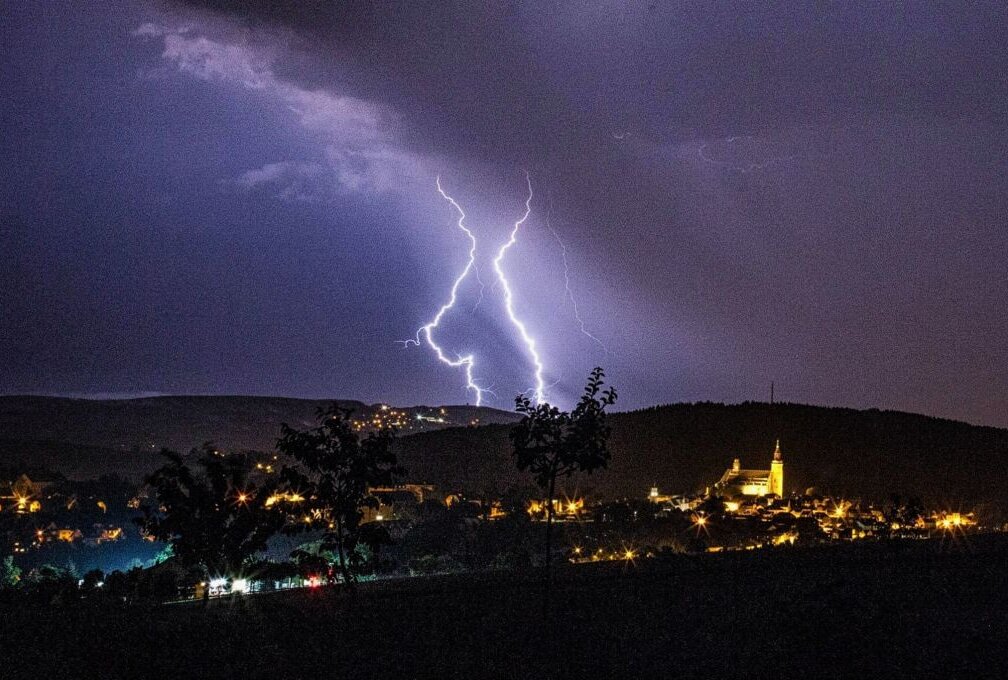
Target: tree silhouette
<point>215,519</point>
<point>551,443</point>
<point>333,470</point>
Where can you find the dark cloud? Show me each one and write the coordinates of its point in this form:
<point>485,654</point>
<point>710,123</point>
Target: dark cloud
<point>809,193</point>
<point>520,79</point>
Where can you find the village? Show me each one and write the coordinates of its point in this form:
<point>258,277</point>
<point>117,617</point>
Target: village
<point>51,520</point>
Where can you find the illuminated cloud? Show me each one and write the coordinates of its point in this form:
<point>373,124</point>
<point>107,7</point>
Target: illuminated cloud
<point>272,173</point>
<point>806,193</point>
<point>357,138</point>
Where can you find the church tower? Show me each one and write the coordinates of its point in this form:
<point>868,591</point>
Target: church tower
<point>775,484</point>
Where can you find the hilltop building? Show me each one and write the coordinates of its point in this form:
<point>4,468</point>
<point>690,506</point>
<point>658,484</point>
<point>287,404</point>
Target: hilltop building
<point>656,497</point>
<point>737,481</point>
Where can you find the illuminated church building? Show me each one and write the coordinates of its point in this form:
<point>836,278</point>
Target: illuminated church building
<point>738,482</point>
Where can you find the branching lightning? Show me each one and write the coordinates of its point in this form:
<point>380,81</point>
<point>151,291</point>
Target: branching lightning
<point>427,330</point>
<point>482,287</point>
<point>468,361</point>
<point>539,390</point>
<point>567,283</point>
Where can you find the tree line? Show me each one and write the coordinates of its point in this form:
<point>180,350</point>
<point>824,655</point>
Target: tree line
<point>216,516</point>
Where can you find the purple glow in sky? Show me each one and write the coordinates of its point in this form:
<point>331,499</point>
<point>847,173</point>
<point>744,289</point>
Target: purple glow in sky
<point>238,197</point>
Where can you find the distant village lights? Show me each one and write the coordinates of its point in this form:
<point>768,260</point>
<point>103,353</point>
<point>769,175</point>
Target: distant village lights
<point>739,512</point>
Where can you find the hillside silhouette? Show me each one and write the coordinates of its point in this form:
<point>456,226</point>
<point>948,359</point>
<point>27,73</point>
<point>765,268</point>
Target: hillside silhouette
<point>86,437</point>
<point>680,448</point>
<point>686,447</point>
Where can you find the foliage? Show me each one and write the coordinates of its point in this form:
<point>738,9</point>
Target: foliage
<point>332,470</point>
<point>215,518</point>
<point>425,565</point>
<point>10,574</point>
<point>117,585</point>
<point>312,562</point>
<point>551,443</point>
<point>51,585</point>
<point>441,532</point>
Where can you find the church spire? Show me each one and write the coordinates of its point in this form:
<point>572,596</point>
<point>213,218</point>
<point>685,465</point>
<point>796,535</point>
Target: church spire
<point>775,484</point>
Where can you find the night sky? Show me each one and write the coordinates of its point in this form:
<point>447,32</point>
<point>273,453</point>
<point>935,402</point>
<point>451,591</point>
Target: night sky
<point>202,200</point>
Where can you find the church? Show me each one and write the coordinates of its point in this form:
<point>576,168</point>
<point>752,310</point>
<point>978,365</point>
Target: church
<point>739,482</point>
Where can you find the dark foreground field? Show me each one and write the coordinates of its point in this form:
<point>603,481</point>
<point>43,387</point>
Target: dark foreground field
<point>913,610</point>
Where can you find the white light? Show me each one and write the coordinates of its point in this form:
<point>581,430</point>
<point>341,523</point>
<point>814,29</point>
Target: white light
<point>538,391</point>
<point>567,287</point>
<point>468,361</point>
<point>239,585</point>
<point>218,582</point>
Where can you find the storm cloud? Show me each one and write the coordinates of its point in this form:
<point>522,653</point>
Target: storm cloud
<point>239,197</point>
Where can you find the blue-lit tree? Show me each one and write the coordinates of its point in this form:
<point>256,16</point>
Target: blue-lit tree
<point>10,574</point>
<point>214,518</point>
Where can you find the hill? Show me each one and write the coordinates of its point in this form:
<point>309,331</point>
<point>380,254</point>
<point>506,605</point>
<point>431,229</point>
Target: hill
<point>680,447</point>
<point>80,437</point>
<point>685,447</point>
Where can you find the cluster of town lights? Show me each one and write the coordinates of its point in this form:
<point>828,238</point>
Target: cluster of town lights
<point>625,554</point>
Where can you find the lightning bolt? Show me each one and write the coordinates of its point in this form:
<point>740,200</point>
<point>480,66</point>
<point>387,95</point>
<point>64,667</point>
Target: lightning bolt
<point>567,284</point>
<point>530,344</point>
<point>482,287</point>
<point>427,330</point>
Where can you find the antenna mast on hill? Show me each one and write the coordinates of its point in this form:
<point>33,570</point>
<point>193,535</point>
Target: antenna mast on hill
<point>771,392</point>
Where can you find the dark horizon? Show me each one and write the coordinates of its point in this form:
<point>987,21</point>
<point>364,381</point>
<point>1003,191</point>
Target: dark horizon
<point>614,409</point>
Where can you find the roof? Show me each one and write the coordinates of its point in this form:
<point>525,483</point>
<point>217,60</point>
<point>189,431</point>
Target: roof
<point>732,476</point>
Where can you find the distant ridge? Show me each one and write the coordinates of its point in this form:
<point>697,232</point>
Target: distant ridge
<point>685,447</point>
<point>34,429</point>
<point>679,447</point>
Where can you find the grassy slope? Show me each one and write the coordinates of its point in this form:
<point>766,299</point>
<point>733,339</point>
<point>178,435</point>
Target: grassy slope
<point>915,611</point>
